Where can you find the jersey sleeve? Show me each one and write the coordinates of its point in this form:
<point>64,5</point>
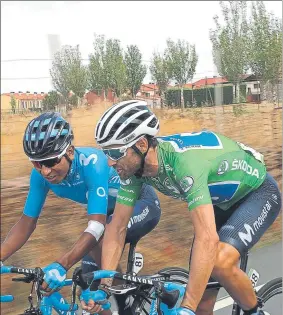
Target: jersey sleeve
<point>129,191</point>
<point>36,196</point>
<point>96,176</point>
<point>192,177</point>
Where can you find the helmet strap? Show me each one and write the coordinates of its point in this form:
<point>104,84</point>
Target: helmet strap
<point>70,164</point>
<point>140,171</point>
<point>68,159</point>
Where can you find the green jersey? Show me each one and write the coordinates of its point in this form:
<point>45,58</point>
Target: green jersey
<point>201,168</point>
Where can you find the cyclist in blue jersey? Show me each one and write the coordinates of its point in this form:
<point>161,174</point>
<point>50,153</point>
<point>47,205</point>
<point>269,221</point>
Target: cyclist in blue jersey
<point>78,174</point>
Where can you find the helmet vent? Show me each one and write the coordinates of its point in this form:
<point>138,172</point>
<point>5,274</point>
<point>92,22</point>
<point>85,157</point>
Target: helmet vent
<point>40,143</point>
<point>44,128</point>
<point>129,103</point>
<point>152,123</point>
<point>32,145</point>
<point>130,128</point>
<point>58,125</point>
<point>107,121</point>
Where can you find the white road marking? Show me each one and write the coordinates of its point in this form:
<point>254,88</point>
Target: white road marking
<point>227,301</point>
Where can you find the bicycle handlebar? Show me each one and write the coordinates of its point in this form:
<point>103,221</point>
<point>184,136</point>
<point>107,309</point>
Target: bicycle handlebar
<point>98,275</point>
<point>5,269</point>
<point>35,272</point>
<point>29,271</point>
<point>6,298</point>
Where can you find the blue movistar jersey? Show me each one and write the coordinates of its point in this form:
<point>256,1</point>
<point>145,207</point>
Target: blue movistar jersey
<point>90,182</point>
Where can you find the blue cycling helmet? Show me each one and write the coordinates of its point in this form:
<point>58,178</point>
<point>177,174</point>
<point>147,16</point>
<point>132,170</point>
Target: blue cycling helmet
<point>47,136</point>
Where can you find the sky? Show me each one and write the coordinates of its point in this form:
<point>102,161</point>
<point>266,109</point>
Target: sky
<point>26,27</point>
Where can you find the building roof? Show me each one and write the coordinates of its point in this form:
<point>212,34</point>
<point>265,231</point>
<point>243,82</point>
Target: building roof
<point>210,81</point>
<point>217,80</point>
<point>26,96</point>
<point>148,87</point>
<point>249,77</point>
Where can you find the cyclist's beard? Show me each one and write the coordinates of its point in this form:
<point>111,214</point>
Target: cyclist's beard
<point>127,168</point>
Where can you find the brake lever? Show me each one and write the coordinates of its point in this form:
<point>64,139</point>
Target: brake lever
<point>169,298</point>
<point>76,278</point>
<point>26,279</point>
<point>82,280</point>
<point>158,291</point>
<point>39,275</point>
<point>73,299</point>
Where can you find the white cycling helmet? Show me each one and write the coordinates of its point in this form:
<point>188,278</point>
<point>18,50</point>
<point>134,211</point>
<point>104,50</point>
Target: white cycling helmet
<point>126,122</point>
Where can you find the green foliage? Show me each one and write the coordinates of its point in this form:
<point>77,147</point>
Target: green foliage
<point>181,58</point>
<point>114,66</point>
<point>230,42</point>
<point>13,104</point>
<point>160,73</point>
<point>135,70</point>
<point>68,73</point>
<point>265,43</point>
<point>107,69</point>
<point>97,79</point>
<point>238,110</point>
<point>73,100</point>
<point>51,100</point>
<point>125,97</point>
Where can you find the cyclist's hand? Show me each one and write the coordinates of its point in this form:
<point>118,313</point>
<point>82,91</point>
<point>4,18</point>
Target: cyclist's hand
<point>89,300</point>
<point>54,277</point>
<point>184,311</point>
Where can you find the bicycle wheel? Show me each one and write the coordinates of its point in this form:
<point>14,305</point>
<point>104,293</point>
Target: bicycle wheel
<point>266,295</point>
<point>141,305</point>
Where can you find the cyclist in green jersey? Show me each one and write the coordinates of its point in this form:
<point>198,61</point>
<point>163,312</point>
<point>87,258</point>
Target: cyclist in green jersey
<point>231,198</point>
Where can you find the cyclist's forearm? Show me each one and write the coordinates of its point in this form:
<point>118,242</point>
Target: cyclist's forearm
<point>16,238</point>
<point>84,244</point>
<point>202,263</point>
<point>113,244</point>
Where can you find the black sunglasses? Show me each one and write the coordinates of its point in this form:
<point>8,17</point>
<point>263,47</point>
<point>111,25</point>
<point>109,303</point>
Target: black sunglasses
<point>47,163</point>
